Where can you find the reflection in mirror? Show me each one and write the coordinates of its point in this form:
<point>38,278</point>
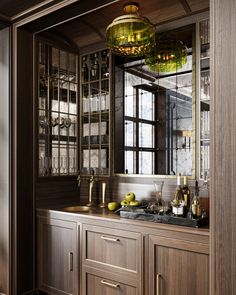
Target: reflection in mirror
<point>154,114</point>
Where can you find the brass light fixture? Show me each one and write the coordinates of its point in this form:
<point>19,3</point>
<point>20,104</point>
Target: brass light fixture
<point>130,35</point>
<point>169,56</point>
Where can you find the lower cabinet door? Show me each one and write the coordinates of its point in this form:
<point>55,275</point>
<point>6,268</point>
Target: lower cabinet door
<point>96,285</point>
<point>57,256</point>
<point>178,267</point>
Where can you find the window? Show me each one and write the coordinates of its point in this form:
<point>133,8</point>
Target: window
<point>139,126</point>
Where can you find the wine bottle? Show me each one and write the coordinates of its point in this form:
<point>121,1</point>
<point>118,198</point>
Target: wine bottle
<point>178,201</point>
<point>196,205</point>
<point>186,193</point>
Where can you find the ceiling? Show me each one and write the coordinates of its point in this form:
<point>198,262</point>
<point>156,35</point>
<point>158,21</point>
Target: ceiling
<point>10,8</point>
<point>89,30</point>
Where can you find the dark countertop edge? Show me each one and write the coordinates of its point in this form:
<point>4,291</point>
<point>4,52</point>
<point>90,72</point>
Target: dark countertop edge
<point>106,215</point>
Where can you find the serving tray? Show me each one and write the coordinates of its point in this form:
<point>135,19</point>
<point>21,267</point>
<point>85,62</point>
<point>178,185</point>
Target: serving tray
<point>140,214</point>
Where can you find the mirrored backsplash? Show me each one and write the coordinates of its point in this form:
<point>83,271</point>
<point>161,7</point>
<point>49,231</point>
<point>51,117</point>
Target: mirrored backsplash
<point>155,113</point>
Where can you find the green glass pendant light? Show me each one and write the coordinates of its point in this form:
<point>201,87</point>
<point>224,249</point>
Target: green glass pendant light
<point>130,35</point>
<point>169,56</point>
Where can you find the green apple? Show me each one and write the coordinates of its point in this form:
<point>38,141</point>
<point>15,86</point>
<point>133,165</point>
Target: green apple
<point>134,203</point>
<point>112,206</point>
<point>130,197</point>
<point>124,203</point>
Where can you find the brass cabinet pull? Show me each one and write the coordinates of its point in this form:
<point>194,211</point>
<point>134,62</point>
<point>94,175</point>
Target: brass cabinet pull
<point>113,285</point>
<point>70,261</point>
<point>157,284</point>
<point>110,239</point>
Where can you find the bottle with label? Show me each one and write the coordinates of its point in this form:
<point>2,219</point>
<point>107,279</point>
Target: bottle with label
<point>186,193</point>
<point>196,205</point>
<point>178,201</point>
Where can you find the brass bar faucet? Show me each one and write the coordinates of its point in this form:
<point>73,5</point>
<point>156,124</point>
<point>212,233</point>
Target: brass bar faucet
<point>79,179</point>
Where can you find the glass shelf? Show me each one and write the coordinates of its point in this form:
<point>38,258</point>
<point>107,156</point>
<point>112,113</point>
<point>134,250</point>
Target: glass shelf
<point>204,97</point>
<point>95,113</point>
<point>57,111</point>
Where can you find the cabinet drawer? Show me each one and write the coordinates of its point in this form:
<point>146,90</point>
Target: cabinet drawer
<point>112,248</point>
<point>96,285</point>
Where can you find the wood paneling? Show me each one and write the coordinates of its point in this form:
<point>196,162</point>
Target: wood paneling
<point>182,267</point>
<point>24,163</point>
<point>13,7</point>
<point>56,191</point>
<point>58,256</point>
<point>180,254</point>
<point>63,15</point>
<point>198,5</point>
<point>118,250</point>
<point>4,160</point>
<point>97,285</point>
<point>223,147</point>
<point>88,30</point>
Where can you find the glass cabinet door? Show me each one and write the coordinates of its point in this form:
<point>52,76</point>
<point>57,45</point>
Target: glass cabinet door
<point>57,111</point>
<point>95,107</point>
<point>204,40</point>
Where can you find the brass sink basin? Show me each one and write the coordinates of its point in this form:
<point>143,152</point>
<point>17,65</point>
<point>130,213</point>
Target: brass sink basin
<point>77,208</point>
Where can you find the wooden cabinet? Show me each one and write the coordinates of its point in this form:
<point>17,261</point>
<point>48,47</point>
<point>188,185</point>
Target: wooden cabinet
<point>178,267</point>
<point>204,96</point>
<point>58,256</point>
<point>119,256</point>
<point>57,111</point>
<point>95,113</point>
<point>111,249</point>
<point>101,285</point>
<point>112,261</point>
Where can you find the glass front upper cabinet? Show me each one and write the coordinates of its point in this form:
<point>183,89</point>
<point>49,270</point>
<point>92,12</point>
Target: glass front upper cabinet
<point>204,97</point>
<point>57,110</point>
<point>95,113</point>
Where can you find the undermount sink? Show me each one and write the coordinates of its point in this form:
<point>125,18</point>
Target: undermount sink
<point>77,208</point>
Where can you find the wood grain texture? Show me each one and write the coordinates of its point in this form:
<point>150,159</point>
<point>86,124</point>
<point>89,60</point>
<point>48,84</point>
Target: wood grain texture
<point>87,30</point>
<point>182,268</point>
<point>115,250</point>
<point>12,7</point>
<point>96,285</point>
<point>112,221</point>
<point>56,191</point>
<point>5,161</point>
<point>22,145</point>
<point>58,254</point>
<point>183,257</point>
<point>223,147</point>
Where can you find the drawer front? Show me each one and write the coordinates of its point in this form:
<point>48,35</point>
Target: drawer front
<point>112,248</point>
<point>96,285</point>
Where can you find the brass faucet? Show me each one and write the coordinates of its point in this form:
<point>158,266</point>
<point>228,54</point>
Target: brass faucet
<point>91,182</point>
<point>79,179</point>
